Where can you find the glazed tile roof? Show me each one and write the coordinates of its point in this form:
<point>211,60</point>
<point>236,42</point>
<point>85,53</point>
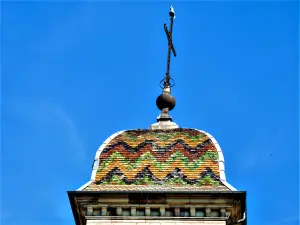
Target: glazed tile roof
<point>154,188</point>
<point>159,160</point>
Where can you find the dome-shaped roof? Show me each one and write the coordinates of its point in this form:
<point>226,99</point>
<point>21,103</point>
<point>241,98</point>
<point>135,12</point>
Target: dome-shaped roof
<point>184,159</point>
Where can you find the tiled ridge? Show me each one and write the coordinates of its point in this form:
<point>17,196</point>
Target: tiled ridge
<point>163,151</point>
<point>116,176</point>
<point>190,168</point>
<point>162,139</point>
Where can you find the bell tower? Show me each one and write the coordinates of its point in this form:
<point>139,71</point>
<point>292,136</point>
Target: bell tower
<point>162,175</point>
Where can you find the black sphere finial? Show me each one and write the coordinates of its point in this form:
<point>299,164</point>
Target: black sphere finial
<point>165,100</point>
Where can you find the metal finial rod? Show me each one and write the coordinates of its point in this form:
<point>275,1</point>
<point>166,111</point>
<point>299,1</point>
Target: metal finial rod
<point>170,47</point>
<point>166,102</point>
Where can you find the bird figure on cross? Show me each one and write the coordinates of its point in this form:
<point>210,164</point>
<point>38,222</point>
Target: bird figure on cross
<point>170,46</point>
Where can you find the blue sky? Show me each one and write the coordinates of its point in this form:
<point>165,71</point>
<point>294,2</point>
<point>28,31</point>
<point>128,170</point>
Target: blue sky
<point>73,73</point>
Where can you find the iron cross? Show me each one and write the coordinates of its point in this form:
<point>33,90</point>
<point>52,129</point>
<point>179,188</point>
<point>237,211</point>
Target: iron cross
<point>170,46</point>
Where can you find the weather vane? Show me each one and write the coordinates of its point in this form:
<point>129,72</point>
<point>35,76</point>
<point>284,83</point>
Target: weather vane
<point>166,80</point>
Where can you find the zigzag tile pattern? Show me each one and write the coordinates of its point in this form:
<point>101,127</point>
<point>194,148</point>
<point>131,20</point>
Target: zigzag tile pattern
<point>159,157</point>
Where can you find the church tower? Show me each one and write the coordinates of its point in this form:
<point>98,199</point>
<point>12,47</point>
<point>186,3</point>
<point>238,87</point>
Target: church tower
<point>161,176</point>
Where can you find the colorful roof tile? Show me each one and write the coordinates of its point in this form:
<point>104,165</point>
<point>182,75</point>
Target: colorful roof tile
<point>159,160</point>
